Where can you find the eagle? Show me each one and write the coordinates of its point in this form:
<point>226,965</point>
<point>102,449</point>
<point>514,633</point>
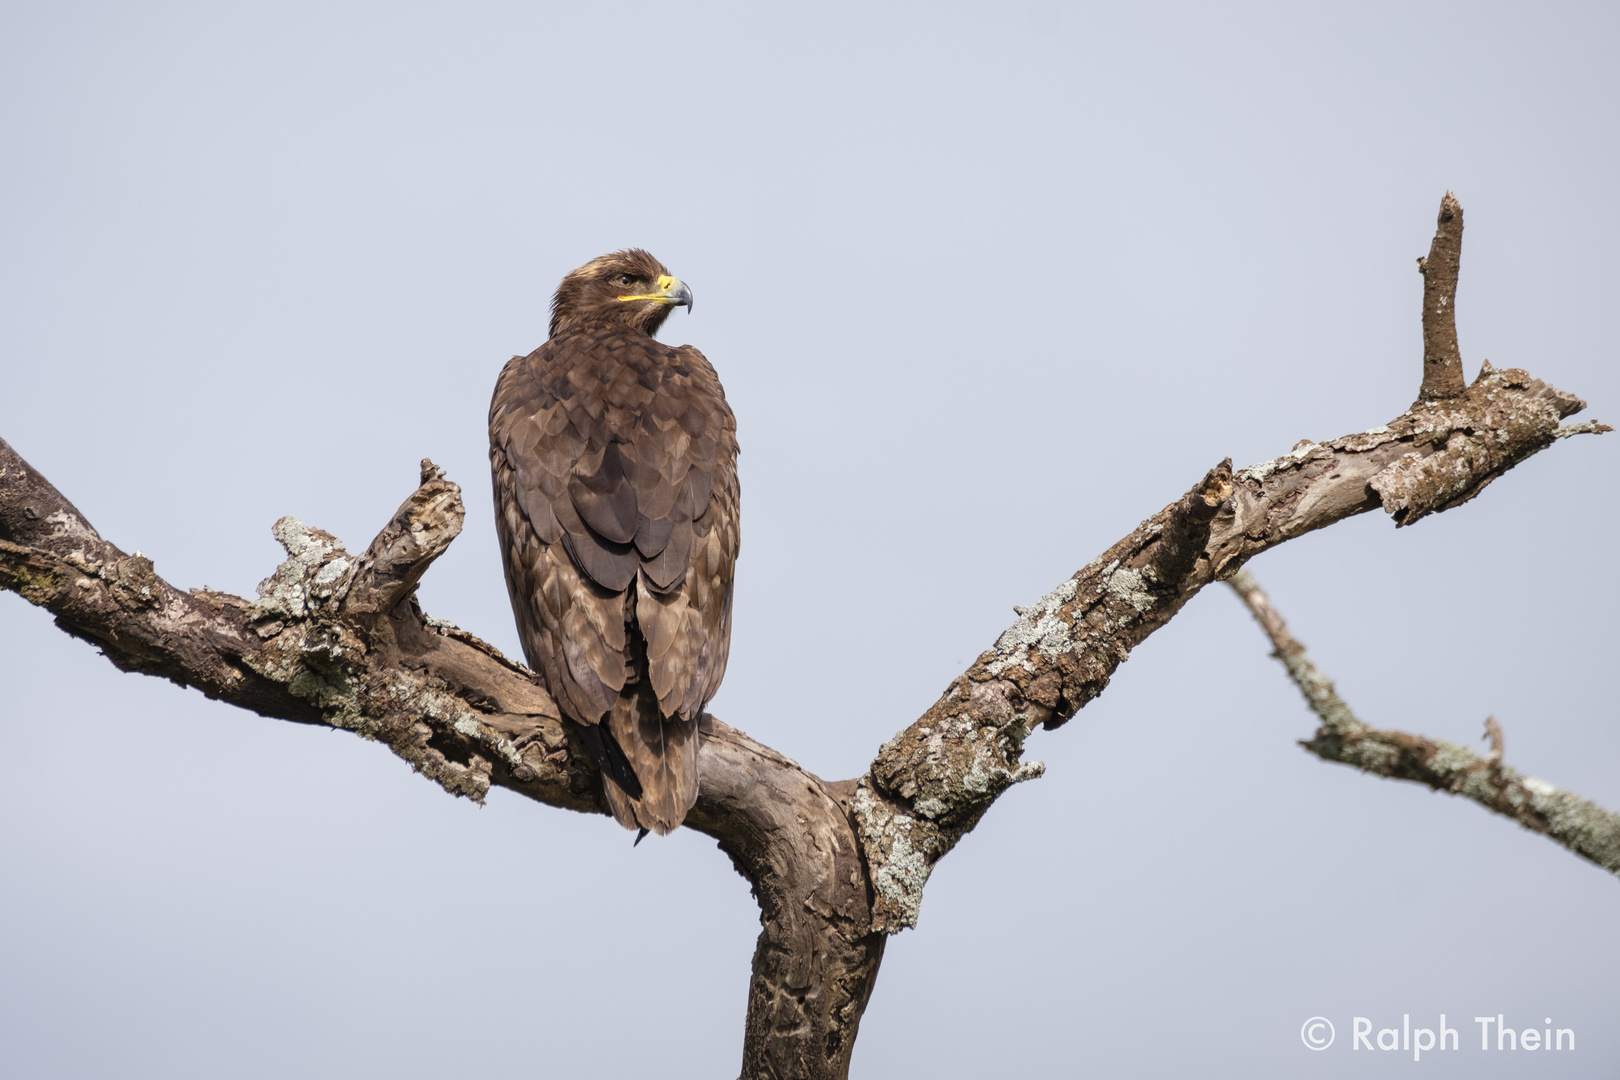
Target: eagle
<point>614,459</point>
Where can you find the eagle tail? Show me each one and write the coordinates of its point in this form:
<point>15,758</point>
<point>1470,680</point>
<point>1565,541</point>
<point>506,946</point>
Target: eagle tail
<point>609,757</point>
<point>661,751</point>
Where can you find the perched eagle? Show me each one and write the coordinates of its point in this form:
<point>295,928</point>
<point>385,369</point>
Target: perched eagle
<point>615,466</point>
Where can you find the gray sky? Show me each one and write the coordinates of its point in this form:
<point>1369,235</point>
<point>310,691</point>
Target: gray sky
<point>986,287</point>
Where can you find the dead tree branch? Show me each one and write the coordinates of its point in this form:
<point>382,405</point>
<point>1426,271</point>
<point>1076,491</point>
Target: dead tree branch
<point>932,782</point>
<point>338,640</point>
<point>1442,359</point>
<point>1580,825</point>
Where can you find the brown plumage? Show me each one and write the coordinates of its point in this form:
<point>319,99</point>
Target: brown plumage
<point>615,466</point>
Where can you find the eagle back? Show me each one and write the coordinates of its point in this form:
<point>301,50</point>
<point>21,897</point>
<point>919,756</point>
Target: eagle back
<point>614,462</point>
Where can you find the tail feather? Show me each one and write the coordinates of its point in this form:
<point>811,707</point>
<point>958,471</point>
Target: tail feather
<point>611,759</point>
<point>662,752</point>
<point>648,761</point>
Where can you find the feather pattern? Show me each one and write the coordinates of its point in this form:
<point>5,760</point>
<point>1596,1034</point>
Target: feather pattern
<point>614,461</point>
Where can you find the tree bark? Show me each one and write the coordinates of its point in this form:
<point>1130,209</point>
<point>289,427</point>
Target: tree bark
<point>338,640</point>
<point>1442,359</point>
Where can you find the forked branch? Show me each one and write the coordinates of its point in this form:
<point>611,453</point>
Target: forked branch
<point>337,640</point>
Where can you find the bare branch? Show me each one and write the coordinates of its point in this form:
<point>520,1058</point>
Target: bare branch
<point>341,641</point>
<point>931,783</point>
<point>421,531</point>
<point>333,639</point>
<point>1442,360</point>
<point>447,703</point>
<point>1580,825</point>
<point>52,557</point>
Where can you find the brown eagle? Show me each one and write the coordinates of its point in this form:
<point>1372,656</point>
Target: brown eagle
<point>615,467</point>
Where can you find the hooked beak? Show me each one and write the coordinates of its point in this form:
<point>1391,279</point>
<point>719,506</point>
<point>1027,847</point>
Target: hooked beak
<point>675,292</point>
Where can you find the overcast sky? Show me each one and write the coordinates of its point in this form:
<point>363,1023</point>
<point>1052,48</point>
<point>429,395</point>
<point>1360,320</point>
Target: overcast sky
<point>986,287</point>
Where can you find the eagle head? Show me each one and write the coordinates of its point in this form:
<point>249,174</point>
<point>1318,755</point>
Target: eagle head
<point>627,288</point>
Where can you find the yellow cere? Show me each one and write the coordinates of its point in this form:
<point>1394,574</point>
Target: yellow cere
<point>666,284</point>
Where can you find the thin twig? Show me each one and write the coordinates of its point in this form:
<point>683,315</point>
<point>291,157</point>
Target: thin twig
<point>1579,824</point>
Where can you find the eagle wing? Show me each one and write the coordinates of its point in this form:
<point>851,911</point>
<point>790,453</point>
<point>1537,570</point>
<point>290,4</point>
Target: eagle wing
<point>614,460</point>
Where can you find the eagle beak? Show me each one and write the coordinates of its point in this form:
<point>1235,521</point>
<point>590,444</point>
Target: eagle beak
<point>675,292</point>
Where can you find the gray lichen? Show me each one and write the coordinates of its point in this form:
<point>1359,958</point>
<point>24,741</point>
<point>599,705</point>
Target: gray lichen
<point>431,699</point>
<point>1265,470</point>
<point>312,574</point>
<point>1130,587</point>
<point>1449,759</point>
<point>949,772</point>
<point>1583,826</point>
<point>899,869</point>
<point>1040,627</point>
<point>317,660</point>
<point>321,661</point>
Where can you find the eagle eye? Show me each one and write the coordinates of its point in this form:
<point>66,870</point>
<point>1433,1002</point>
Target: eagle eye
<point>623,279</point>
